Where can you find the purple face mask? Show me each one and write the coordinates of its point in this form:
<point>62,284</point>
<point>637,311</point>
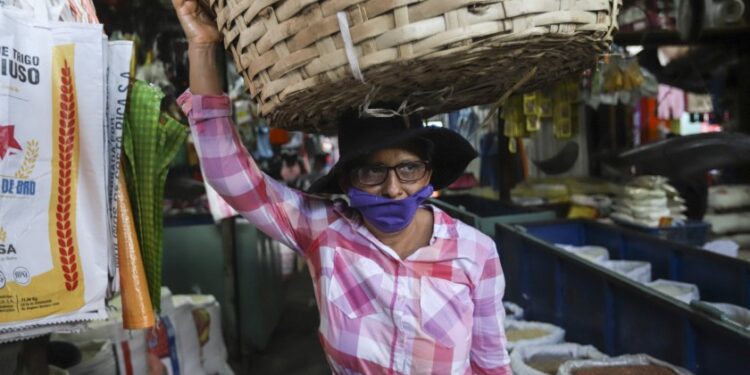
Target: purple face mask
<point>388,215</point>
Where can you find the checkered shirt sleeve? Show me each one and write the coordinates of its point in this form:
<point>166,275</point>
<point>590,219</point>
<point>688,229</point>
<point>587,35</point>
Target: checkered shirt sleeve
<point>284,214</point>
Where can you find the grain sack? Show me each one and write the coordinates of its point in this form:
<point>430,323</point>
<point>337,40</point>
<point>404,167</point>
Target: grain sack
<point>132,352</point>
<point>733,313</point>
<point>119,56</point>
<point>743,240</point>
<point>97,358</point>
<point>592,253</point>
<point>626,364</point>
<point>729,223</point>
<point>724,247</point>
<point>682,291</point>
<point>520,334</point>
<point>207,318</point>
<point>175,342</point>
<point>53,207</point>
<point>129,347</point>
<point>513,311</point>
<point>546,359</point>
<point>728,197</point>
<point>636,270</point>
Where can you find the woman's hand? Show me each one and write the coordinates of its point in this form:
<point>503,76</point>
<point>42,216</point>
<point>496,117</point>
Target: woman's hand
<point>200,30</point>
<point>203,36</point>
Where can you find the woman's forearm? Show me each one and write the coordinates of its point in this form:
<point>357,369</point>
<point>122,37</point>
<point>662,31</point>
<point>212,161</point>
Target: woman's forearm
<point>204,71</point>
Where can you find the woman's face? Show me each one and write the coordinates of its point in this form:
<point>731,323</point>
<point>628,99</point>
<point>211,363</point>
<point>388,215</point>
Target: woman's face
<point>410,165</point>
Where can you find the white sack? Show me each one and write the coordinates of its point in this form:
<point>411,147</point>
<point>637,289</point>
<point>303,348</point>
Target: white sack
<point>546,359</point>
<point>682,291</point>
<point>552,334</point>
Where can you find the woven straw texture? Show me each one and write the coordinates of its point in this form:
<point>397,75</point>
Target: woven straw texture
<point>432,55</point>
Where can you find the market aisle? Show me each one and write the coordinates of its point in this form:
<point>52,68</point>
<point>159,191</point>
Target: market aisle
<point>294,347</point>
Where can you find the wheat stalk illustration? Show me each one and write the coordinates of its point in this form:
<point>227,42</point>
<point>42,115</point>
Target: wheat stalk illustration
<point>3,235</point>
<point>66,149</point>
<point>29,160</point>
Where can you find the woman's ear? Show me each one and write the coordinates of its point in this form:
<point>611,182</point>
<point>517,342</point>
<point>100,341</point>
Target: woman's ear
<point>343,182</point>
<point>428,177</point>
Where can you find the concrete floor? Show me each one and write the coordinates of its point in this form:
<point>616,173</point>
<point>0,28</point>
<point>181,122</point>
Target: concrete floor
<point>294,348</point>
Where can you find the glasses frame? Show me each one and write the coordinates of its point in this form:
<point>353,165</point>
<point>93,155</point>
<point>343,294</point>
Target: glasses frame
<point>354,178</point>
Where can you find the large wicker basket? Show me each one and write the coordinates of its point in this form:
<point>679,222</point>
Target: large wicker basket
<point>433,55</point>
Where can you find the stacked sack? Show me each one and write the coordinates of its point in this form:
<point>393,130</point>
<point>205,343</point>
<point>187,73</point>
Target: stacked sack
<point>729,214</point>
<point>187,340</point>
<point>537,348</point>
<point>650,201</point>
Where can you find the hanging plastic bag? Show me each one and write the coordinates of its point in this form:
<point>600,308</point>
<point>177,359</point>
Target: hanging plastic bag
<point>53,217</point>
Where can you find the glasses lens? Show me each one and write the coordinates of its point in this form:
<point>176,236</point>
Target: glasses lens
<point>372,175</point>
<point>411,171</point>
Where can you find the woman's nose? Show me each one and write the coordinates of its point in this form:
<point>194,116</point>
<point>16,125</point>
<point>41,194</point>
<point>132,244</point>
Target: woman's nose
<point>392,188</point>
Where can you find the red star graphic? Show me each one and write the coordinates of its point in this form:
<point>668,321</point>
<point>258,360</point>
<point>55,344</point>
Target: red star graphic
<point>7,141</point>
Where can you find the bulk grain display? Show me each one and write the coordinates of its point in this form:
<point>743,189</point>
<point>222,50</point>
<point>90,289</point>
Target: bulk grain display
<point>638,364</point>
<point>522,333</point>
<point>546,359</point>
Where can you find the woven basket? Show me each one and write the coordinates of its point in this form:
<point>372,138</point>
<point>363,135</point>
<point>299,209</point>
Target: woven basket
<point>433,55</point>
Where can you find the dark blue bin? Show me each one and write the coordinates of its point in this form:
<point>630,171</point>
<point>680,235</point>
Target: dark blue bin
<point>618,315</point>
<point>693,233</point>
<point>484,214</point>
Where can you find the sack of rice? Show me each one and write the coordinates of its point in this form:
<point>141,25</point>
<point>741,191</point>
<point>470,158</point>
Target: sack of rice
<point>53,215</point>
<point>733,313</point>
<point>207,318</point>
<point>512,311</point>
<point>728,197</point>
<point>636,270</point>
<point>729,223</point>
<point>546,359</point>
<point>592,253</point>
<point>129,347</point>
<point>641,364</point>
<point>682,291</point>
<point>188,346</point>
<point>132,352</point>
<point>97,357</point>
<point>520,334</point>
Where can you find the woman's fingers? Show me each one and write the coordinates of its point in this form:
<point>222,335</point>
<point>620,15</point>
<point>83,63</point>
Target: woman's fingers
<point>199,28</point>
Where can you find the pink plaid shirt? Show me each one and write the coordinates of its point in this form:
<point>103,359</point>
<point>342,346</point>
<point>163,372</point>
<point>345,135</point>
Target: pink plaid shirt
<point>439,311</point>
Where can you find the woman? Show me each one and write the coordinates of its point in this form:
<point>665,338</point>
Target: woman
<point>401,287</point>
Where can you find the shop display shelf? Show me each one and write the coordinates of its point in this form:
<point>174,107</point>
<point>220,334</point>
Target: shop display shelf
<point>484,214</point>
<point>600,307</point>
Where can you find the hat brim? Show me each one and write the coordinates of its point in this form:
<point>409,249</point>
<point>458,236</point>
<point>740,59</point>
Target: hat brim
<point>452,153</point>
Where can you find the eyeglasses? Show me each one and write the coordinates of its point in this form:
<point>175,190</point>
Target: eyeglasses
<point>371,175</point>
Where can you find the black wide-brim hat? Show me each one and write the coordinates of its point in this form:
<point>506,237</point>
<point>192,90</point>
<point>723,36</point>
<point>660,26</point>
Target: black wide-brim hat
<point>359,136</point>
